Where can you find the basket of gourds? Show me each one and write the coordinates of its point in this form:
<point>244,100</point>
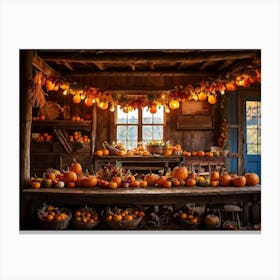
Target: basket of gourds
<point>188,218</point>
<point>122,218</point>
<point>53,218</point>
<point>85,218</point>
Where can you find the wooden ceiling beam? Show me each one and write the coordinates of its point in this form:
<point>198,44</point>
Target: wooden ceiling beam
<point>76,75</point>
<point>42,66</point>
<point>68,65</point>
<point>149,57</point>
<point>100,66</point>
<point>225,64</point>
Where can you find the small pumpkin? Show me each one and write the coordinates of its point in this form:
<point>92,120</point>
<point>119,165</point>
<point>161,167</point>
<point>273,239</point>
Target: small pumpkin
<point>90,181</point>
<point>214,176</point>
<point>69,176</point>
<point>252,179</point>
<point>60,184</point>
<point>151,179</point>
<point>76,167</point>
<point>239,181</point>
<point>167,184</point>
<point>180,172</point>
<point>225,180</point>
<point>118,180</point>
<point>46,183</point>
<point>190,182</point>
<point>161,180</point>
<point>211,220</point>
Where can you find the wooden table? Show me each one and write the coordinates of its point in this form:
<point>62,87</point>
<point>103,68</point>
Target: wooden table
<point>148,196</point>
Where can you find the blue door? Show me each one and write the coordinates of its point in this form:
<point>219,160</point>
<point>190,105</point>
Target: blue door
<point>252,133</point>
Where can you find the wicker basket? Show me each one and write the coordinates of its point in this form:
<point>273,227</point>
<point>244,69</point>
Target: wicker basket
<point>54,225</point>
<point>185,224</point>
<point>124,225</point>
<point>84,226</point>
<point>156,149</point>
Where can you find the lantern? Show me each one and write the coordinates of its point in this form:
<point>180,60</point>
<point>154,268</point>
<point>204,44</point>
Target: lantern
<point>212,99</point>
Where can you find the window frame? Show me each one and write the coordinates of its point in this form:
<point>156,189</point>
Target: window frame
<point>139,125</point>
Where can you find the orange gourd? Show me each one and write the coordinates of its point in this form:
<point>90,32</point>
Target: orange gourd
<point>239,181</point>
<point>252,179</point>
<point>225,179</point>
<point>76,167</point>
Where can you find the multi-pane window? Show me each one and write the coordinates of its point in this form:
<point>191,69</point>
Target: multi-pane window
<point>253,127</point>
<point>139,126</point>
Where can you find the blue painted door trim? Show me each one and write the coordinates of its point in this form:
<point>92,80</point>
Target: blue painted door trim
<point>252,163</point>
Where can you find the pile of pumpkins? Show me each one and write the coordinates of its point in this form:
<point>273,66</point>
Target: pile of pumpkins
<point>116,177</point>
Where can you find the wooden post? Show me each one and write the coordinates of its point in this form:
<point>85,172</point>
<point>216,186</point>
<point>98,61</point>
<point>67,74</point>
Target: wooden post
<point>25,114</point>
<point>93,130</point>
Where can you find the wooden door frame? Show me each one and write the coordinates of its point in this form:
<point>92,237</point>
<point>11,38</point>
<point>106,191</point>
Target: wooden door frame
<point>242,93</point>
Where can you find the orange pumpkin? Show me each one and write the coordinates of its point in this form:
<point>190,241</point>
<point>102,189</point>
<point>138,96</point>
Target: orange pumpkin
<point>175,182</point>
<point>225,179</point>
<point>214,183</point>
<point>201,153</point>
<point>71,184</point>
<point>90,181</point>
<point>105,152</point>
<point>202,96</point>
<point>180,172</point>
<point>161,180</point>
<point>112,185</point>
<point>252,179</point>
<point>118,180</point>
<point>69,176</point>
<point>50,175</point>
<point>214,176</point>
<point>167,184</point>
<point>190,182</point>
<point>76,167</point>
<point>151,179</point>
<point>239,181</point>
<point>143,184</point>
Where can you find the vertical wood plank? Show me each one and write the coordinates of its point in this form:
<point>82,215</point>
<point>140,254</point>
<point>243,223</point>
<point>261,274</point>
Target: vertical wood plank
<point>25,114</point>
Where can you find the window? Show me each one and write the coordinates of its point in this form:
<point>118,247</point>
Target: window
<point>253,127</point>
<point>139,126</point>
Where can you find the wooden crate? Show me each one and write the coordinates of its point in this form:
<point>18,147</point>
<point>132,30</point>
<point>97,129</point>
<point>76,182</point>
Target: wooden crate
<point>41,147</point>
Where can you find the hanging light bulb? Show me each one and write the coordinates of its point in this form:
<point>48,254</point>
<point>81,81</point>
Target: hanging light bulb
<point>174,104</point>
<point>166,109</point>
<point>112,108</point>
<point>77,98</point>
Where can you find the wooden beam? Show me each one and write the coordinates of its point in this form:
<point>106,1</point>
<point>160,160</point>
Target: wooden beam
<point>205,64</point>
<point>91,74</point>
<point>152,66</point>
<point>149,57</point>
<point>225,64</point>
<point>42,66</point>
<point>68,65</point>
<point>132,65</point>
<point>100,66</point>
<point>25,114</point>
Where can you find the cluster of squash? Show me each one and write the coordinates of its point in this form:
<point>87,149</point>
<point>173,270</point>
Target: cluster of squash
<point>43,137</point>
<point>78,137</point>
<point>86,215</point>
<point>200,153</point>
<point>114,176</point>
<point>126,214</point>
<point>51,213</point>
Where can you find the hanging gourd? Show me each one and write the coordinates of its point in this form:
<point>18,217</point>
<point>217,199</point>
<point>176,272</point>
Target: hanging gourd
<point>153,109</point>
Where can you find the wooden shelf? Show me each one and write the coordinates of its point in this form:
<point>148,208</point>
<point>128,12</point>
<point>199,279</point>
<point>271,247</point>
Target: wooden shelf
<point>61,123</point>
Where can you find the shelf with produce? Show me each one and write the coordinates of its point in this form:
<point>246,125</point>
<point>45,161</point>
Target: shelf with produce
<point>62,124</point>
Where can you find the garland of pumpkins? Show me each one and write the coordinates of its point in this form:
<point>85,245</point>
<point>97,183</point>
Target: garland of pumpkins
<point>205,90</point>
